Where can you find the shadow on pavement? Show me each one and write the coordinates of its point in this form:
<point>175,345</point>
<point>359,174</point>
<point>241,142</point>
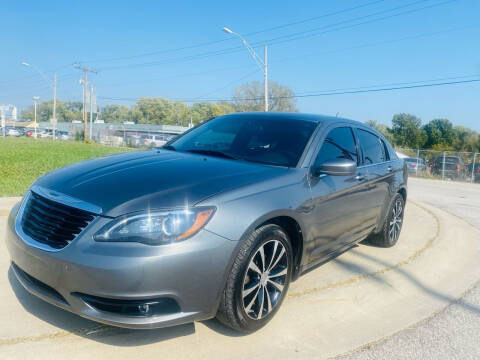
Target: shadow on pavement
<point>358,269</point>
<point>111,335</point>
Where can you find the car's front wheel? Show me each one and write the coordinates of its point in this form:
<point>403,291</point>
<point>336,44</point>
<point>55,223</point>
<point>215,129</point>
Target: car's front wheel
<point>258,281</point>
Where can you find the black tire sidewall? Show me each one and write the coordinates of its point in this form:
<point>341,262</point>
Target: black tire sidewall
<point>386,228</point>
<point>272,232</point>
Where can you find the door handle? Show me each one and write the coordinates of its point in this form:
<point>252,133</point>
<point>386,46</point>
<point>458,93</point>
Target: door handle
<point>389,169</point>
<point>360,177</point>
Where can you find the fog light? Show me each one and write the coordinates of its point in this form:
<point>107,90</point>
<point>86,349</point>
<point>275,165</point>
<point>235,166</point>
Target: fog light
<point>143,308</point>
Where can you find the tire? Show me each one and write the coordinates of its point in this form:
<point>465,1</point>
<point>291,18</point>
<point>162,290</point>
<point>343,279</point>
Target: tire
<point>392,226</point>
<point>251,299</point>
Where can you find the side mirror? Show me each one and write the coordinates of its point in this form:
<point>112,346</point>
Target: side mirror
<point>340,167</point>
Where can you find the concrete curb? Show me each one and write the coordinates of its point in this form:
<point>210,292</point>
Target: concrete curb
<point>6,204</point>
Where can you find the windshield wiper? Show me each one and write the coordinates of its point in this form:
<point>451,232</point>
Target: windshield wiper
<point>212,153</point>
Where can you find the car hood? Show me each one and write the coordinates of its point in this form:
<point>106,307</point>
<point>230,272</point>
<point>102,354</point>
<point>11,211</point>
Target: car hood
<point>156,179</point>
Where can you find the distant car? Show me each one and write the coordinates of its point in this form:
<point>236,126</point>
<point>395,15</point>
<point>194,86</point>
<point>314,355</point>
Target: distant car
<point>415,165</point>
<point>44,133</point>
<point>475,167</point>
<point>30,133</point>
<point>450,167</point>
<point>11,131</point>
<point>134,140</point>
<point>154,140</point>
<point>62,135</point>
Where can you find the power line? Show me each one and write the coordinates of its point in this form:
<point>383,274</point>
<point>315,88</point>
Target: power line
<point>313,32</point>
<point>327,93</point>
<point>377,43</point>
<point>280,60</point>
<point>279,40</point>
<point>208,43</point>
<point>228,84</point>
<point>397,83</point>
<point>176,76</point>
<point>269,42</point>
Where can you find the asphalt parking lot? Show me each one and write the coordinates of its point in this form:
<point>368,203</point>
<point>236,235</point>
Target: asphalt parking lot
<point>364,296</point>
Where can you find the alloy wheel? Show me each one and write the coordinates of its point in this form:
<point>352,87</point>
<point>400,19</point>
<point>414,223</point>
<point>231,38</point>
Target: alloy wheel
<point>265,279</point>
<point>396,221</point>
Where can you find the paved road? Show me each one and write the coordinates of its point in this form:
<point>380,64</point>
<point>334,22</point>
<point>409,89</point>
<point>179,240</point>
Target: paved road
<point>455,332</point>
<point>358,298</point>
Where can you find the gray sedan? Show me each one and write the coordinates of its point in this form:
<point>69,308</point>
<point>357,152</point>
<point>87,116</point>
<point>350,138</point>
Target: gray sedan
<point>218,222</point>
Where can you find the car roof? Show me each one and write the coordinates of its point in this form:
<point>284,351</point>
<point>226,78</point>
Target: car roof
<point>295,115</point>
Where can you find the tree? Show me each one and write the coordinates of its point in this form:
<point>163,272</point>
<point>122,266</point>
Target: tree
<point>204,110</point>
<point>66,111</point>
<point>154,111</point>
<point>407,132</point>
<point>250,97</point>
<point>465,139</point>
<point>439,133</point>
<point>116,114</point>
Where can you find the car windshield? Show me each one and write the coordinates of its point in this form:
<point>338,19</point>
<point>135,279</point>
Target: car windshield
<point>268,140</point>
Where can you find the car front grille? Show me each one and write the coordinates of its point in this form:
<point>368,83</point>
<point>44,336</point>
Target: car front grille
<point>52,223</point>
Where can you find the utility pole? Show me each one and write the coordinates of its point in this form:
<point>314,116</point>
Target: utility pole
<point>265,76</point>
<point>35,100</point>
<point>85,83</point>
<point>91,111</point>
<point>54,120</point>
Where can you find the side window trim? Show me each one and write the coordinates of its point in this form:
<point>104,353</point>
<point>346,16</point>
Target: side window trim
<point>386,153</point>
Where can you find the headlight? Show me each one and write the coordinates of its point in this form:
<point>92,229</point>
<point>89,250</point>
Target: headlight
<point>156,227</point>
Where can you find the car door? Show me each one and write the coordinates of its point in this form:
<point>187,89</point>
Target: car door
<point>338,216</point>
<point>379,172</point>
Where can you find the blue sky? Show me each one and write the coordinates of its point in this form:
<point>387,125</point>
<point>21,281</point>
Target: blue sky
<point>134,46</point>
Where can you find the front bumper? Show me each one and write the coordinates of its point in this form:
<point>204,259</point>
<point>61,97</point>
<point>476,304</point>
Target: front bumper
<point>192,273</point>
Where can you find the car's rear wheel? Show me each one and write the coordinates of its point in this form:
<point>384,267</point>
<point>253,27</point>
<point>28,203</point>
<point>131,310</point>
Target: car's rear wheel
<point>258,281</point>
<point>392,226</point>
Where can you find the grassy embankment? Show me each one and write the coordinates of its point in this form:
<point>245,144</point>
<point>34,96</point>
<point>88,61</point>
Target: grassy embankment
<point>23,160</point>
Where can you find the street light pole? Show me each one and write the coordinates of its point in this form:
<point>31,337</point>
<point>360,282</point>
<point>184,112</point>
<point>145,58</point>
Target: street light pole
<point>265,77</point>
<point>54,120</point>
<point>54,85</point>
<point>35,100</point>
<point>262,64</point>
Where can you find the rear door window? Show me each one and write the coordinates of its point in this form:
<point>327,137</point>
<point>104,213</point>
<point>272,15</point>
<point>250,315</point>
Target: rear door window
<point>373,152</point>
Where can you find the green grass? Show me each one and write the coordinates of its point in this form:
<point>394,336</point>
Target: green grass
<point>23,160</point>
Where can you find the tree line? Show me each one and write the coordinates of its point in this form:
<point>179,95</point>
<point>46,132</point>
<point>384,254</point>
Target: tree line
<point>248,97</point>
<point>407,131</point>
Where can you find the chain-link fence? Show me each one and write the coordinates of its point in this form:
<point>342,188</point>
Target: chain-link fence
<point>130,135</point>
<point>445,165</point>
